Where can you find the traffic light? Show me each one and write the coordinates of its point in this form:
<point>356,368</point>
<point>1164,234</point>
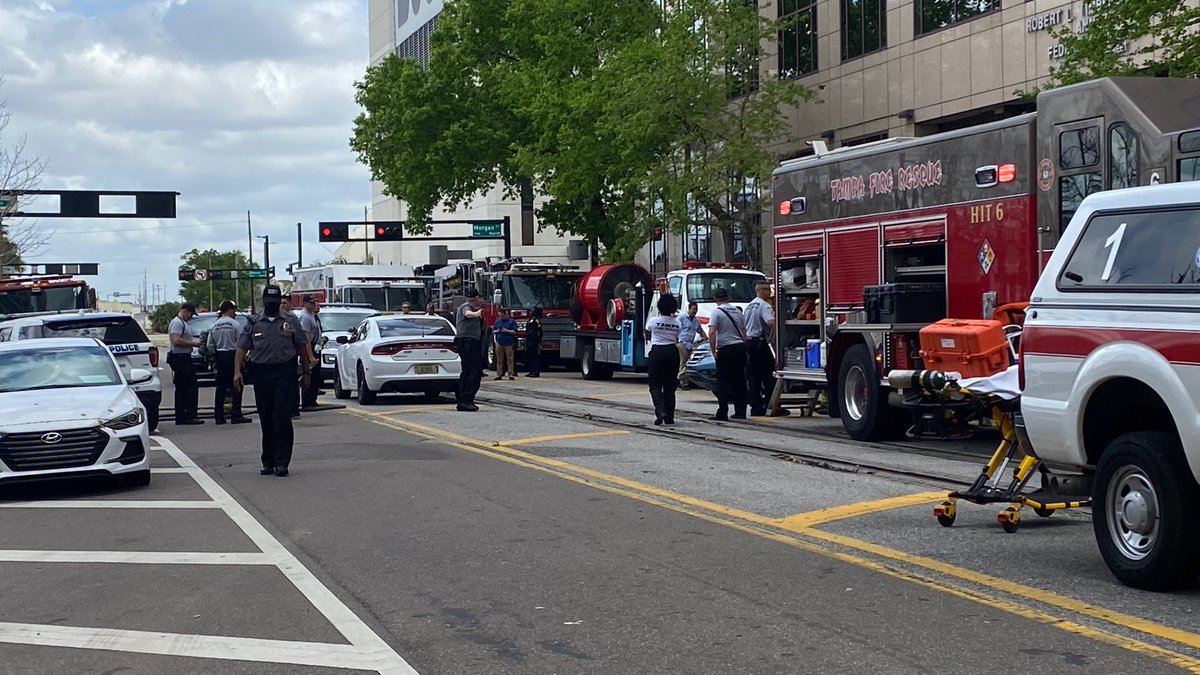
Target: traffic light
<point>187,275</point>
<point>389,232</point>
<point>334,231</point>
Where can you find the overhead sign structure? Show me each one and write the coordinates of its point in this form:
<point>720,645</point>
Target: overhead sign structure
<point>87,204</point>
<point>223,275</point>
<point>393,230</point>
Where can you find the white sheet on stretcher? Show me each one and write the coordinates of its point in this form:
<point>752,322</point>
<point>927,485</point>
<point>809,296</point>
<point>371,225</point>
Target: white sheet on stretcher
<point>1005,384</point>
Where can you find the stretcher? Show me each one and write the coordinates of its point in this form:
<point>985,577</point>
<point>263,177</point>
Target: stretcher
<point>941,405</point>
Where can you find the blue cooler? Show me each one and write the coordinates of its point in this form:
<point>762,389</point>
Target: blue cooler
<point>812,354</point>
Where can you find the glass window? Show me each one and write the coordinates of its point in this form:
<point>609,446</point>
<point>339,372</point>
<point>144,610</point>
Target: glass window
<point>798,38</point>
<point>1158,248</point>
<point>118,331</point>
<point>342,321</point>
<point>1079,147</point>
<point>1122,156</point>
<point>415,327</point>
<point>1189,168</point>
<point>1189,141</point>
<point>864,27</point>
<point>935,14</point>
<point>57,368</point>
<point>545,291</point>
<point>1071,191</point>
<point>700,287</point>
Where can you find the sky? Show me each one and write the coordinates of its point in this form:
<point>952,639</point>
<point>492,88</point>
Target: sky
<point>238,105</point>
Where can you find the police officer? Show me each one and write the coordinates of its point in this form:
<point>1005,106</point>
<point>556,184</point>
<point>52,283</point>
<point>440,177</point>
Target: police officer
<point>468,323</point>
<point>222,342</point>
<point>727,340</point>
<point>310,322</point>
<point>760,360</point>
<point>273,341</point>
<point>180,359</point>
<point>533,343</point>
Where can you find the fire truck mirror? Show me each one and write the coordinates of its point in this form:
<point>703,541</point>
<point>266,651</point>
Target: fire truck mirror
<point>497,297</point>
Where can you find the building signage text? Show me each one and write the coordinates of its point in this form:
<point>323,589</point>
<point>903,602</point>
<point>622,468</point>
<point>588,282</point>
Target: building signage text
<point>909,177</point>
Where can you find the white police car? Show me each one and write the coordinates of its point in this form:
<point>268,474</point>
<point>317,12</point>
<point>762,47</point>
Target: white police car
<point>119,332</point>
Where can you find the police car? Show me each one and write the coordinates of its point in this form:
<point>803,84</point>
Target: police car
<point>122,335</point>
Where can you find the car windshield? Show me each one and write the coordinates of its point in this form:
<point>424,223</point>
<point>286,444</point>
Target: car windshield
<point>389,299</point>
<point>547,292</point>
<point>115,331</point>
<point>343,322</point>
<point>54,299</point>
<point>57,368</point>
<point>701,286</point>
<point>202,323</point>
<point>417,326</point>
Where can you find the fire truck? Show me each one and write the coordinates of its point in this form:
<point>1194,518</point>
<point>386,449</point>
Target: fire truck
<point>384,287</point>
<point>876,241</point>
<point>610,306</point>
<point>51,293</point>
<point>519,287</point>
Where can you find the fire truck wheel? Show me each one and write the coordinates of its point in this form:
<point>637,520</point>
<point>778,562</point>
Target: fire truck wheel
<point>863,403</point>
<point>1143,501</point>
<point>592,370</point>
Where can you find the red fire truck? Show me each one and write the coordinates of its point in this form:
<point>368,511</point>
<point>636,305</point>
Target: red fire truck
<point>519,287</point>
<point>876,241</point>
<point>51,293</point>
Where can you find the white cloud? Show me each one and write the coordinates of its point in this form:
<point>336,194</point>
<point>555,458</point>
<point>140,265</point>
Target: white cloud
<point>236,104</point>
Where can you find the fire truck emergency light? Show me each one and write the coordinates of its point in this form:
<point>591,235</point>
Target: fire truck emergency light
<point>989,176</point>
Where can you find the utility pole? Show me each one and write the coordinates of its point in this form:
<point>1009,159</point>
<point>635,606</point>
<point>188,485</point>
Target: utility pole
<point>267,254</point>
<point>250,250</point>
<point>299,247</point>
<point>366,243</point>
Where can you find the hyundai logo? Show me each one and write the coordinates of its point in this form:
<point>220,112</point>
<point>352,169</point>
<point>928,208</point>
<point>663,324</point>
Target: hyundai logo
<point>51,438</point>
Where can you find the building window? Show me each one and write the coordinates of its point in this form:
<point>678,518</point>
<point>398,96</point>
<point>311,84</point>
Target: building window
<point>798,38</point>
<point>935,14</point>
<point>416,46</point>
<point>863,140</point>
<point>864,27</point>
<point>1122,156</point>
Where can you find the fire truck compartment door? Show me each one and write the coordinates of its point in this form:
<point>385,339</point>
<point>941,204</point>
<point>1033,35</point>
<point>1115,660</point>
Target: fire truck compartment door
<point>799,247</point>
<point>852,262</point>
<point>915,233</point>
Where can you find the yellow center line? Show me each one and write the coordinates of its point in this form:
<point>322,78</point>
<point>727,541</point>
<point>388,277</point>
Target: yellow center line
<point>618,394</point>
<point>564,437</point>
<point>828,515</point>
<point>754,523</point>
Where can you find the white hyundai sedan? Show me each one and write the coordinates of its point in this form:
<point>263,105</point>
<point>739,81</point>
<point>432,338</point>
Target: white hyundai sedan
<point>68,411</point>
<point>394,354</point>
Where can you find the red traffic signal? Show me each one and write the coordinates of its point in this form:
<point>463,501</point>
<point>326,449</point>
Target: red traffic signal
<point>389,232</point>
<point>334,231</point>
<point>187,275</point>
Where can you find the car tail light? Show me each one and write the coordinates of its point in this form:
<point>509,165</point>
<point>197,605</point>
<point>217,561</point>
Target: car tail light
<point>387,350</point>
<point>154,357</point>
<point>400,347</point>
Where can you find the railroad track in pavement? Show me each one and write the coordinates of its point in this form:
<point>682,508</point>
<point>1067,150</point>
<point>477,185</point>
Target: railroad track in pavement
<point>616,414</point>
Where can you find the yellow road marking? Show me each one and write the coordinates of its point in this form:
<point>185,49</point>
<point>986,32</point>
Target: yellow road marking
<point>811,518</point>
<point>563,437</point>
<point>754,524</point>
<point>621,394</point>
<point>410,409</point>
<point>770,420</point>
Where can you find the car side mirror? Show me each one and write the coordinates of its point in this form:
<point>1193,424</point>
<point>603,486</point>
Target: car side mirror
<point>342,339</point>
<point>140,375</point>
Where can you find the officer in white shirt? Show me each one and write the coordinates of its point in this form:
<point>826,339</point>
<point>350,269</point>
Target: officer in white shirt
<point>760,360</point>
<point>727,340</point>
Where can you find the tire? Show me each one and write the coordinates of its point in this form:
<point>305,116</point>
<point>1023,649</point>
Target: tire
<point>137,478</point>
<point>587,363</point>
<point>1143,499</point>
<point>152,418</point>
<point>338,390</point>
<point>365,395</point>
<point>863,406</point>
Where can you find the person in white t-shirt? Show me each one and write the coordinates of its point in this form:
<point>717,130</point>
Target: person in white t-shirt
<point>663,333</point>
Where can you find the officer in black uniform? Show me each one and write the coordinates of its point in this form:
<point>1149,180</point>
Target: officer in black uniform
<point>274,342</point>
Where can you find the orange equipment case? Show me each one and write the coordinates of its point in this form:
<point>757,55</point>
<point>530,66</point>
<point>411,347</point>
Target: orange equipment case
<point>972,348</point>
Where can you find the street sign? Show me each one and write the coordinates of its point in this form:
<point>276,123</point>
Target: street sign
<point>486,228</point>
<point>258,274</point>
<point>201,275</point>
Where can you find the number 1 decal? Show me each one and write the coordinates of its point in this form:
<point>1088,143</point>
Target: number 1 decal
<point>1113,242</point>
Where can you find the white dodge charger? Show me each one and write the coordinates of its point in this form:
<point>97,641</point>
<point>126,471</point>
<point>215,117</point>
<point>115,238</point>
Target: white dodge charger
<point>410,353</point>
<point>68,411</point>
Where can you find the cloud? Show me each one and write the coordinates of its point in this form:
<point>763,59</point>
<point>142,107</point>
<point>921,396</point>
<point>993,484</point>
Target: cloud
<point>236,104</point>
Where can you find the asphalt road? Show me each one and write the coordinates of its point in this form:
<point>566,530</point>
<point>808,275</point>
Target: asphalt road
<point>520,540</point>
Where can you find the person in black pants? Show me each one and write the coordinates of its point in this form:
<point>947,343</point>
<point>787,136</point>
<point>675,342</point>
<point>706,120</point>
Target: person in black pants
<point>760,360</point>
<point>663,365</point>
<point>274,343</point>
<point>727,340</point>
<point>533,343</point>
<point>222,343</point>
<point>468,323</point>
<point>187,390</point>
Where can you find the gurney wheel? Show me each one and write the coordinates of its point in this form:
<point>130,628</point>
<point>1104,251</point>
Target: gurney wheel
<point>945,513</point>
<point>1009,519</point>
<point>1045,513</point>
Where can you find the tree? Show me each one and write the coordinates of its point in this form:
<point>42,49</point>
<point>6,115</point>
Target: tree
<point>1130,37</point>
<point>210,294</point>
<point>160,318</point>
<point>19,171</point>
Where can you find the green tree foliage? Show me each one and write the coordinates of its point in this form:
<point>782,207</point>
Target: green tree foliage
<point>621,116</point>
<point>210,294</point>
<point>1130,37</point>
<point>161,317</point>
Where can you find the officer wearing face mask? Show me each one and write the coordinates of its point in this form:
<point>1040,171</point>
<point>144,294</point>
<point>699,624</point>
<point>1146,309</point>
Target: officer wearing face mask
<point>272,342</point>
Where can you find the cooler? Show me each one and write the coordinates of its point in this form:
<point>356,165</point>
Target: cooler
<point>971,348</point>
<point>905,303</point>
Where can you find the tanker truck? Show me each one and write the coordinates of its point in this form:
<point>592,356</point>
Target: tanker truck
<point>610,305</point>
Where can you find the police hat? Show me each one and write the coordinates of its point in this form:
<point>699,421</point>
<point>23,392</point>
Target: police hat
<point>720,294</point>
<point>272,294</point>
<point>472,293</point>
